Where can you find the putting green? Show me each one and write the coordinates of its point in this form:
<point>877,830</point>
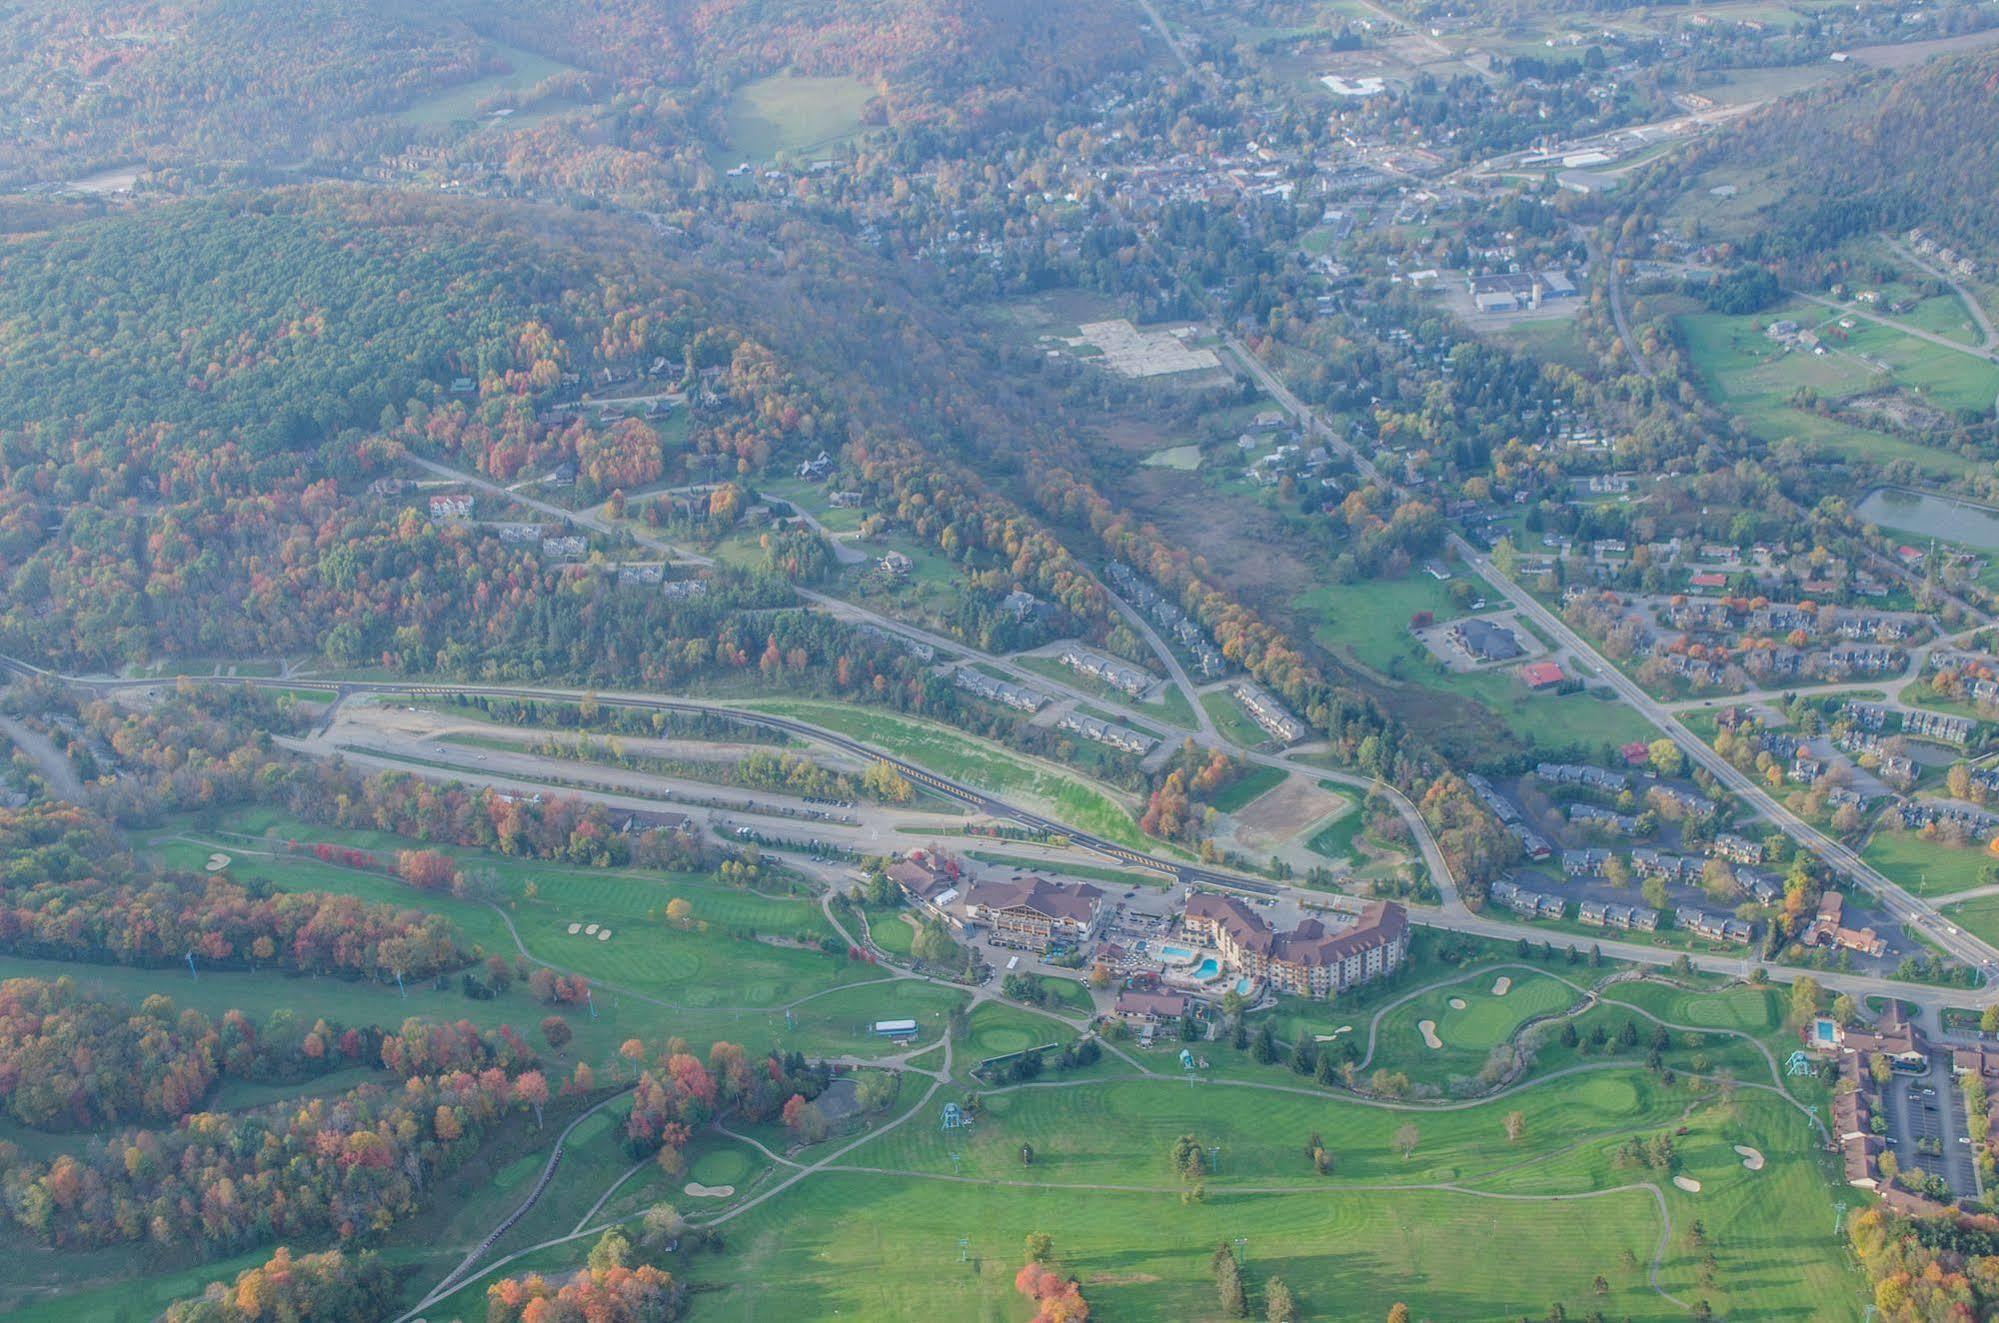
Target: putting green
<point>1468,1033</point>
<point>721,1166</point>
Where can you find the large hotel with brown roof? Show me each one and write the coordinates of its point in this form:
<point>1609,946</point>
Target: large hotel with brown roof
<point>1310,960</point>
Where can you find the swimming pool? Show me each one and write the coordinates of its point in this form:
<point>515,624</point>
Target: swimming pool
<point>1243,986</point>
<point>1176,955</point>
<point>1207,969</point>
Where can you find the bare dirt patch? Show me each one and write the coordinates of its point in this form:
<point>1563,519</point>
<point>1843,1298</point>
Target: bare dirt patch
<point>1281,814</point>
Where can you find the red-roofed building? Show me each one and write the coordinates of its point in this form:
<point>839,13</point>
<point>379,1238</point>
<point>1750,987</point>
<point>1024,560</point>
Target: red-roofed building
<point>1635,753</point>
<point>1709,579</point>
<point>1542,674</point>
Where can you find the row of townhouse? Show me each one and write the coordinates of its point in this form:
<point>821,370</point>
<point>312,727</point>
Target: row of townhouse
<point>1579,774</point>
<point>1685,868</point>
<point>1715,927</point>
<point>981,685</point>
<point>1532,904</point>
<point>1603,819</point>
<point>1627,918</point>
<point>1208,660</point>
<point>1937,726</point>
<point>1268,713</point>
<point>1118,675</point>
<point>1108,732</point>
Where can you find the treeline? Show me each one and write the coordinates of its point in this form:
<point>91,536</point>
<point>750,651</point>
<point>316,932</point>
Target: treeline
<point>1928,1270</point>
<point>329,1285</point>
<point>677,1093</point>
<point>74,1062</point>
<point>344,1166</point>
<point>68,891</point>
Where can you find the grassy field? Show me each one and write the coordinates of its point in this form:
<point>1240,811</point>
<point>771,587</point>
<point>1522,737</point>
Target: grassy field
<point>1755,378</point>
<point>462,102</point>
<point>1337,840</point>
<point>962,757</point>
<point>1978,917</point>
<point>784,114</point>
<point>1173,707</point>
<point>1368,623</point>
<point>1926,868</point>
<point>1251,786</point>
<point>884,1245</point>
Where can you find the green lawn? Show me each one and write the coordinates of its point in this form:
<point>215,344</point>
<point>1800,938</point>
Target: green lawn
<point>1251,786</point>
<point>1468,1035</point>
<point>1926,868</point>
<point>1232,720</point>
<point>885,1246</point>
<point>1368,623</point>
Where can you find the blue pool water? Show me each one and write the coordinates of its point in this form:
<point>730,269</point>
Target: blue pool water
<point>1179,953</point>
<point>1207,969</point>
<point>1242,986</point>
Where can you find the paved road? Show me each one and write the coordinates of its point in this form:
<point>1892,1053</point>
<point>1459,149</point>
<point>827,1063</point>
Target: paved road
<point>1616,287</point>
<point>1176,673</point>
<point>1904,907</point>
<point>1848,310</point>
<point>1971,303</point>
<point>1452,916</point>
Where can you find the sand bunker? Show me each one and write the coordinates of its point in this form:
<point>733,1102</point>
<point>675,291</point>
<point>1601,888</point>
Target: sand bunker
<point>590,930</point>
<point>575,928</point>
<point>696,1190</point>
<point>1457,1003</point>
<point>1501,986</point>
<point>217,862</point>
<point>1688,1183</point>
<point>603,934</point>
<point>1327,1038</point>
<point>1751,1158</point>
<point>1429,1032</point>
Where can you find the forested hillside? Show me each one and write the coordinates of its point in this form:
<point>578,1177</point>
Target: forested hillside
<point>1887,153</point>
<point>192,85</point>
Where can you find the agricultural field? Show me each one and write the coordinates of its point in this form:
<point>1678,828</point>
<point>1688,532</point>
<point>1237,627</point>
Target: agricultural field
<point>789,113</point>
<point>1756,378</point>
<point>464,102</point>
